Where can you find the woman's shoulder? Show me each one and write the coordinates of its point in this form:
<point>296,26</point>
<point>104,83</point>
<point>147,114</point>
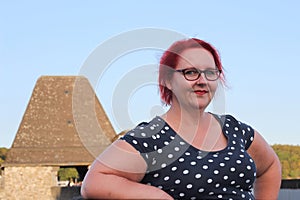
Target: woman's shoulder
<point>237,128</point>
<point>146,129</point>
<point>150,126</point>
<point>232,120</point>
<point>146,135</point>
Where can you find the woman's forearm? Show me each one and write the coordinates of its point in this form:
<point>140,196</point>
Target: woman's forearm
<point>267,185</point>
<point>110,186</point>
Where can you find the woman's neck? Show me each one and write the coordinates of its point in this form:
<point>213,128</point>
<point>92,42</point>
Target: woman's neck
<point>194,127</point>
<point>181,118</point>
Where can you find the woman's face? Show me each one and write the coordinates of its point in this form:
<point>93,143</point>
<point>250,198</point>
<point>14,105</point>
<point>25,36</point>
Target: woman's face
<point>198,93</point>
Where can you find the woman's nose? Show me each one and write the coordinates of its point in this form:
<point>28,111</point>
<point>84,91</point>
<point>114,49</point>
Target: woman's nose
<point>201,79</point>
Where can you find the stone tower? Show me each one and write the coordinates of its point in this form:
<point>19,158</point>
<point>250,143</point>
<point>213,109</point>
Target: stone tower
<point>64,125</point>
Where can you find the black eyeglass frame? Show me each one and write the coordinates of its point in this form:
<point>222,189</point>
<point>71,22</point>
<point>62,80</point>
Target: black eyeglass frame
<point>199,73</point>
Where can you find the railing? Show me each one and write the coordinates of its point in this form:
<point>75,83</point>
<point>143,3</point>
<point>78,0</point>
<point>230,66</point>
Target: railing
<point>289,194</point>
<point>290,184</point>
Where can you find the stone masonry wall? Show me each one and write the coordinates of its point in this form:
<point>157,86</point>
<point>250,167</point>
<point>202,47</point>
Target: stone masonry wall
<point>1,186</point>
<point>29,183</point>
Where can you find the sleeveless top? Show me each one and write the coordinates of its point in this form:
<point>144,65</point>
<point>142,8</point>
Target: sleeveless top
<point>186,172</point>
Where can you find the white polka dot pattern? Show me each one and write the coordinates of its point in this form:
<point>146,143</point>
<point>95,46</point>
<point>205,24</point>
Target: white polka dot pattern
<point>185,172</point>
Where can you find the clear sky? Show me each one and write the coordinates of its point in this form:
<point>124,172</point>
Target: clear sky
<point>258,42</point>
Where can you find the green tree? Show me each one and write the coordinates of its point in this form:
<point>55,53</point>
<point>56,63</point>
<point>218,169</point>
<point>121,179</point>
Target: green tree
<point>66,174</point>
<point>289,157</point>
<point>3,152</point>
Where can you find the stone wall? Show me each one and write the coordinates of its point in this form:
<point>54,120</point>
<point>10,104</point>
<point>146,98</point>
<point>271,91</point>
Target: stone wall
<point>1,183</point>
<point>29,183</point>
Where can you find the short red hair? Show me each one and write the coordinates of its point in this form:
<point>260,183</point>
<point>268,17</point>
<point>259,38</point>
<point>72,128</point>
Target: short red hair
<point>170,60</point>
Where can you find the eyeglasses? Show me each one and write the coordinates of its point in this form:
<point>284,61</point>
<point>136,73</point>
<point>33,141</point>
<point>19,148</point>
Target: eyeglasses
<point>192,74</point>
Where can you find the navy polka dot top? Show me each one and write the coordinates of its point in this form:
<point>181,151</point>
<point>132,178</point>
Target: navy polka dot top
<point>186,172</point>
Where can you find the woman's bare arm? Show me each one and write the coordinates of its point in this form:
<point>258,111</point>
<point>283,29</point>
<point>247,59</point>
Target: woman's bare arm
<point>267,184</point>
<point>116,173</point>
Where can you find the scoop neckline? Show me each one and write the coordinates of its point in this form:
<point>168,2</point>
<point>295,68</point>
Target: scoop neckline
<point>198,149</point>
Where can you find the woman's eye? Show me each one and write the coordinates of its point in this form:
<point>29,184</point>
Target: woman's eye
<point>210,72</point>
<point>191,72</point>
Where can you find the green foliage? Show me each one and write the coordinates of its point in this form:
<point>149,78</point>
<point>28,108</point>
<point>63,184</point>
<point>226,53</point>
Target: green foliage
<point>3,152</point>
<point>289,157</point>
<point>66,174</point>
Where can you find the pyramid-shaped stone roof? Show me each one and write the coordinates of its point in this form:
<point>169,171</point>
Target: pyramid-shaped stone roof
<point>64,124</point>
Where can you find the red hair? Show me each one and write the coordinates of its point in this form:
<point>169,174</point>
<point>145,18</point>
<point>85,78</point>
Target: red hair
<point>170,60</point>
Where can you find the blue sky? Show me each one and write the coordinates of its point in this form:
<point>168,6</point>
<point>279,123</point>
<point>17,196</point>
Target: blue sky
<point>258,42</point>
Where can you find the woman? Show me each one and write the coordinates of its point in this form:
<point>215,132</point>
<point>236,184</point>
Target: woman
<point>187,153</point>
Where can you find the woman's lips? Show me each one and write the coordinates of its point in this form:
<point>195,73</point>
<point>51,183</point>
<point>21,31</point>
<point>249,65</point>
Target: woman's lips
<point>201,92</point>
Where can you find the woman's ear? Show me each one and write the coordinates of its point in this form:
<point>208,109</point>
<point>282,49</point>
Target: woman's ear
<point>167,84</point>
